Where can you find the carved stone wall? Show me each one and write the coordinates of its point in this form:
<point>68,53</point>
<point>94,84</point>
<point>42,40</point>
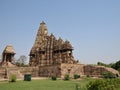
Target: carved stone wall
<point>72,69</point>
<point>47,50</point>
<point>48,71</point>
<point>61,70</point>
<point>34,71</point>
<point>83,70</point>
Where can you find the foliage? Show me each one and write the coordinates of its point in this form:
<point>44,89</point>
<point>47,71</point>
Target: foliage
<point>103,64</point>
<point>79,87</point>
<point>76,87</point>
<point>116,65</point>
<point>53,78</point>
<point>98,85</point>
<point>112,65</point>
<point>66,77</point>
<point>108,75</point>
<point>21,61</point>
<point>76,76</point>
<point>12,78</point>
<point>103,84</point>
<point>21,65</point>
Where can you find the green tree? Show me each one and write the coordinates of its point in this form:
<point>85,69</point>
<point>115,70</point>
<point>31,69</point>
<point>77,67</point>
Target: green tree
<point>116,65</point>
<point>21,61</point>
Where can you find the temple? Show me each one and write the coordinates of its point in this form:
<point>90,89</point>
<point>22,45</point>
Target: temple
<point>47,50</point>
<point>49,57</point>
<point>8,56</point>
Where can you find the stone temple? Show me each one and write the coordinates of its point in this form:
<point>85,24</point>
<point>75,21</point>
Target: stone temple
<point>49,57</point>
<point>47,50</point>
<point>8,56</point>
<point>54,57</point>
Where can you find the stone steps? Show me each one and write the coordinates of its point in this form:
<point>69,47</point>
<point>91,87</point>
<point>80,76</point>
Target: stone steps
<point>14,71</point>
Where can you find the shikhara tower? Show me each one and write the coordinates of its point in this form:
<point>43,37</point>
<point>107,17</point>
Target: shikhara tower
<point>47,50</point>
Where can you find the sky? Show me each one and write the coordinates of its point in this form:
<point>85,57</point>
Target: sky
<point>92,26</point>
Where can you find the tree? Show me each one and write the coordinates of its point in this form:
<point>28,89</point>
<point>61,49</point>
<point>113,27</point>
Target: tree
<point>22,60</point>
<point>116,65</point>
<point>102,64</point>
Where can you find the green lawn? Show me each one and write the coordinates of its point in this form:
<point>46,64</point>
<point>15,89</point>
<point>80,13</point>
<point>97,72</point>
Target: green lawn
<point>43,85</point>
<point>40,85</point>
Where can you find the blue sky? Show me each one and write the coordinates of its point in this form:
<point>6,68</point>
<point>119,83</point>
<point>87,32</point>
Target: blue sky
<point>92,26</point>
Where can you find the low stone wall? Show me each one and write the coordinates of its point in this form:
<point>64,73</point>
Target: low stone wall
<point>15,71</point>
<point>97,71</point>
<point>72,69</point>
<point>18,71</point>
<point>49,71</point>
<point>30,70</point>
<point>90,70</point>
<point>61,70</point>
<point>56,70</point>
<point>3,72</point>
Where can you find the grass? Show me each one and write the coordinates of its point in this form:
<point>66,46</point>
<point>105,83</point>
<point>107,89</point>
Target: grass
<point>43,85</point>
<point>39,85</point>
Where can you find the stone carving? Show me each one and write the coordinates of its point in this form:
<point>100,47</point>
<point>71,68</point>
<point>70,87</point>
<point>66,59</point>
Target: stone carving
<point>47,50</point>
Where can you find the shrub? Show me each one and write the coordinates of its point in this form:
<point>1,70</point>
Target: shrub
<point>108,75</point>
<point>76,76</point>
<point>100,84</point>
<point>76,87</point>
<point>12,78</point>
<point>66,77</point>
<point>88,76</point>
<point>79,87</point>
<point>53,78</point>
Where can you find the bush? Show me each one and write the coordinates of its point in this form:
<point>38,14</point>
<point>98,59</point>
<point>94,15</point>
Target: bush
<point>79,87</point>
<point>76,87</point>
<point>108,75</point>
<point>12,78</point>
<point>66,77</point>
<point>101,84</point>
<point>76,76</point>
<point>53,78</point>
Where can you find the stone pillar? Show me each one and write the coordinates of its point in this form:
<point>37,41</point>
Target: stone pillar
<point>4,58</point>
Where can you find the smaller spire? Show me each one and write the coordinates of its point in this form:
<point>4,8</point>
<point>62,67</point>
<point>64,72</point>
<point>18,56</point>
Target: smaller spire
<point>42,23</point>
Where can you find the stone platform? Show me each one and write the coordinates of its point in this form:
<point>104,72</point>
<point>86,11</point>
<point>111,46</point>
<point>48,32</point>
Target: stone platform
<point>59,71</point>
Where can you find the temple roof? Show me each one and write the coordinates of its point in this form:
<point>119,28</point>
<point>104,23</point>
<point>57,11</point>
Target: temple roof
<point>9,49</point>
<point>67,45</point>
<point>43,40</point>
<point>42,32</point>
<point>42,23</point>
<point>43,29</point>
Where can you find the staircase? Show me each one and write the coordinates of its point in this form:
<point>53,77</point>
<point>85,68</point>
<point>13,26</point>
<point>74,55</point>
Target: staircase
<point>15,71</point>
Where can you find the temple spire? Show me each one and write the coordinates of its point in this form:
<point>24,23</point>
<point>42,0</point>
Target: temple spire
<point>41,34</point>
<point>43,29</point>
<point>42,23</point>
<point>48,50</point>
